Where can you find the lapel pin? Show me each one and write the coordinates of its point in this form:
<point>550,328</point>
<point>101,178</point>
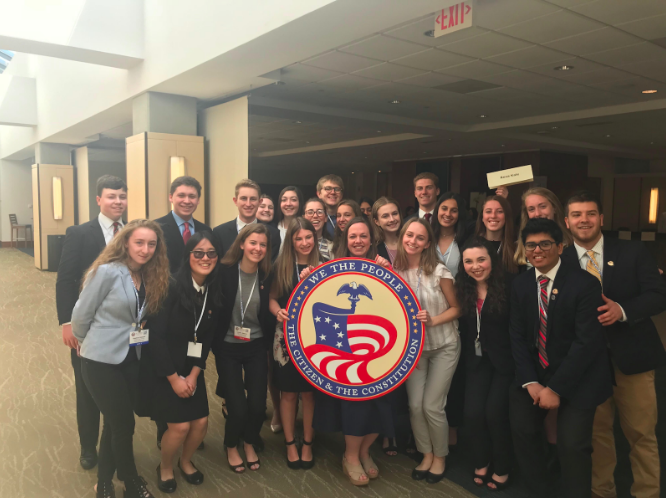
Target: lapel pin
<point>555,291</point>
<point>610,263</point>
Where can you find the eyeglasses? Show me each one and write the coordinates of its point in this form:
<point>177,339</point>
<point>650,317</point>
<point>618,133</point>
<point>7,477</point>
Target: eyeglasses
<point>212,254</point>
<point>337,190</point>
<point>313,212</point>
<point>544,245</point>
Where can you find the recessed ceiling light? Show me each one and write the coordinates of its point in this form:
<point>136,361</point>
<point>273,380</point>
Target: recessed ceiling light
<point>379,131</point>
<point>651,143</point>
<point>379,171</point>
<point>352,172</point>
<point>608,136</point>
<point>395,101</point>
<point>297,122</point>
<point>430,33</point>
<point>553,127</point>
<point>649,91</point>
<point>502,145</point>
<point>483,116</point>
<point>563,68</point>
<point>307,142</point>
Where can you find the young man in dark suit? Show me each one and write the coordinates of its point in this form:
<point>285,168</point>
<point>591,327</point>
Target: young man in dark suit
<point>83,243</point>
<point>179,225</point>
<point>247,194</point>
<point>633,292</point>
<point>561,361</point>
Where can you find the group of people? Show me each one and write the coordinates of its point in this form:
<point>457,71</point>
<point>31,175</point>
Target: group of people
<point>533,338</point>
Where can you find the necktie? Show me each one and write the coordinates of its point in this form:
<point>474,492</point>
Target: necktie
<point>427,217</point>
<point>186,233</point>
<point>543,320</point>
<point>593,266</point>
<point>116,227</point>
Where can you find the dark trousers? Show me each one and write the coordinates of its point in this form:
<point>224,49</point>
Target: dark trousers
<point>246,413</point>
<point>487,415</point>
<point>115,390</point>
<point>87,413</point>
<point>455,400</point>
<point>574,444</point>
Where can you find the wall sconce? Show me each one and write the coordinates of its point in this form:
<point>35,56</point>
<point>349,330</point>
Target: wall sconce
<point>177,167</point>
<point>57,198</point>
<point>654,205</point>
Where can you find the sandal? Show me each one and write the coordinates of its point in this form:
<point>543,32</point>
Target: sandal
<point>499,486</point>
<point>392,449</point>
<point>307,464</point>
<point>236,469</point>
<point>370,467</point>
<point>483,477</point>
<point>354,472</point>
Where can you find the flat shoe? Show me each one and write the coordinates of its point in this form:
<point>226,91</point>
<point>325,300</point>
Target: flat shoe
<point>419,475</point>
<point>354,472</point>
<point>195,478</point>
<point>370,467</point>
<point>168,486</point>
<point>434,478</point>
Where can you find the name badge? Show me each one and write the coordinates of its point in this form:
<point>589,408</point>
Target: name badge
<point>477,348</point>
<point>194,349</point>
<point>242,333</point>
<point>139,337</point>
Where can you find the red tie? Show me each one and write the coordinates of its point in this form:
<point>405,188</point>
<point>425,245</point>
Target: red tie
<point>427,217</point>
<point>543,320</point>
<point>116,227</point>
<point>186,232</point>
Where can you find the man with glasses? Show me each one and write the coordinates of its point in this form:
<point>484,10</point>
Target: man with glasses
<point>179,225</point>
<point>633,292</point>
<point>83,243</point>
<point>329,190</point>
<point>561,362</point>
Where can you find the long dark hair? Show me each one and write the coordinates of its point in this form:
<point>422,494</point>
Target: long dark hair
<point>496,299</point>
<point>508,238</point>
<point>278,209</point>
<point>461,224</point>
<point>343,247</point>
<point>183,276</point>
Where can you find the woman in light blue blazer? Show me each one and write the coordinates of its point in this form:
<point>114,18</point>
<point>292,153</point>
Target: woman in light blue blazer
<point>126,283</point>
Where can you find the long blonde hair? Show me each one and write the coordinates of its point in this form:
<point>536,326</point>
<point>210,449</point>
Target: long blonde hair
<point>155,273</point>
<point>558,217</point>
<point>235,253</point>
<point>284,266</point>
<point>429,259</point>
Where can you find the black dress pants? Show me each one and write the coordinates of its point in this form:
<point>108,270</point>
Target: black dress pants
<point>487,415</point>
<point>246,414</point>
<point>87,413</point>
<point>455,400</point>
<point>574,444</point>
<point>115,390</point>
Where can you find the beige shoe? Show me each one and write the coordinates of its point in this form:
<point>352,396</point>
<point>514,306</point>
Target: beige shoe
<point>370,467</point>
<point>354,472</point>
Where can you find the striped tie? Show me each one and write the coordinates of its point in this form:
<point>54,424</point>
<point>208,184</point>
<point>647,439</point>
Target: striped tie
<point>116,227</point>
<point>593,266</point>
<point>543,320</point>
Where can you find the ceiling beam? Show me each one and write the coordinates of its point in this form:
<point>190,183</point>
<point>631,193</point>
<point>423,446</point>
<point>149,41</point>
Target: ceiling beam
<point>18,101</point>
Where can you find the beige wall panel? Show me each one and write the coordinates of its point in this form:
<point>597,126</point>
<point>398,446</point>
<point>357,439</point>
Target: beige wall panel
<point>35,216</point>
<point>193,152</point>
<point>82,183</point>
<point>225,128</point>
<point>135,149</point>
<point>159,166</point>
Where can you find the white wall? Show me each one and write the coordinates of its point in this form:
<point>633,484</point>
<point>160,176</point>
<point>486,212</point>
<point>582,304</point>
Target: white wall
<point>15,195</point>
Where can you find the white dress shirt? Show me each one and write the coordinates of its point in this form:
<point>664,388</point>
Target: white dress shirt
<point>107,226</point>
<point>197,287</point>
<point>422,213</point>
<point>240,224</point>
<point>598,250</point>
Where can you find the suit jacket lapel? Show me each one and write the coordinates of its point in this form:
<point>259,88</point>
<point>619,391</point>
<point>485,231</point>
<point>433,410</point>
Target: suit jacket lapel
<point>554,299</point>
<point>128,287</point>
<point>533,305</point>
<point>610,256</point>
<point>174,229</point>
<point>98,235</point>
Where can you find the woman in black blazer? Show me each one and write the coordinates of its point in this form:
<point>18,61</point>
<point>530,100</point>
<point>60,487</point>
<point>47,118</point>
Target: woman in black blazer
<point>182,333</point>
<point>483,292</point>
<point>244,336</point>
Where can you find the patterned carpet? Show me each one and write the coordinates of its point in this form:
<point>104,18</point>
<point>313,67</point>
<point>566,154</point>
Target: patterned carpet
<point>39,450</point>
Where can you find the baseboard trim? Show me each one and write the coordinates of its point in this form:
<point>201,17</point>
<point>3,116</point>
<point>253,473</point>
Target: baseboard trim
<point>14,244</point>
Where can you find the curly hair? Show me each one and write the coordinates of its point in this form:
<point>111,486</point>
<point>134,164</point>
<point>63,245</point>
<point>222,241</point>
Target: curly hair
<point>155,273</point>
<point>466,286</point>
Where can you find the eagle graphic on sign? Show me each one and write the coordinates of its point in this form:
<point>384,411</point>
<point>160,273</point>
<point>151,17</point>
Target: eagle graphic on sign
<point>346,342</point>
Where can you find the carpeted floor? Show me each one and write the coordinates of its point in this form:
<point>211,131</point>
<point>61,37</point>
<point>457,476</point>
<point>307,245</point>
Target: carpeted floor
<point>39,449</point>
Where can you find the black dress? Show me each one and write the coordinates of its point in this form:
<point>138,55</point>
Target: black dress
<point>170,332</point>
<point>288,377</point>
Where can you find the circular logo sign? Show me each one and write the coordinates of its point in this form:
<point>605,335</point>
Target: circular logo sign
<point>352,330</point>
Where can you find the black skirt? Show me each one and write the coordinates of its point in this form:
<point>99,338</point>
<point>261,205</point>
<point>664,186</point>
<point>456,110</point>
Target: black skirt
<point>290,380</point>
<point>353,418</point>
<point>169,407</point>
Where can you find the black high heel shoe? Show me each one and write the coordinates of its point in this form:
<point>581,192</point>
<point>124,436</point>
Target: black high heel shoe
<point>236,469</point>
<point>308,464</point>
<point>168,486</point>
<point>137,488</point>
<point>499,486</point>
<point>195,478</point>
<point>295,465</point>
<point>105,489</point>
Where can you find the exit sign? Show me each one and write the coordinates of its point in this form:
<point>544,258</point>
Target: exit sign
<point>453,18</point>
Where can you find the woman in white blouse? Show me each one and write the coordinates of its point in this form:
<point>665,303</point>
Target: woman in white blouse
<point>429,383</point>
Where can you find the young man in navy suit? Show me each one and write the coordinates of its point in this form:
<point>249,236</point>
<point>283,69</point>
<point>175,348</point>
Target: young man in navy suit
<point>83,243</point>
<point>633,292</point>
<point>561,361</point>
